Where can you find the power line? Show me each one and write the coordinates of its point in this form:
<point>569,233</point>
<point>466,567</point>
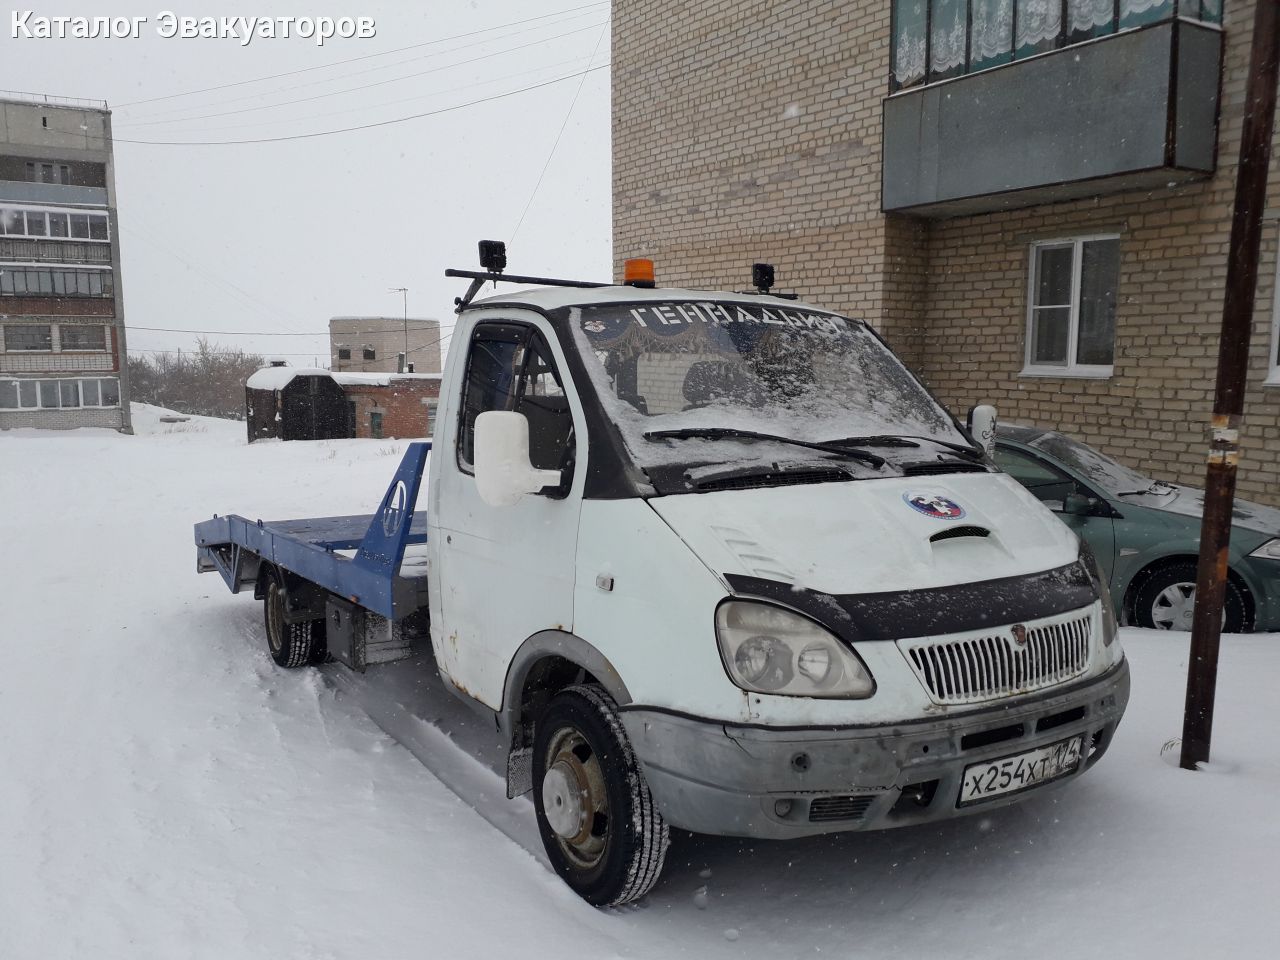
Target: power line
<point>347,75</point>
<point>424,325</point>
<point>328,114</point>
<point>568,113</point>
<point>367,56</point>
<point>364,126</point>
<point>363,86</point>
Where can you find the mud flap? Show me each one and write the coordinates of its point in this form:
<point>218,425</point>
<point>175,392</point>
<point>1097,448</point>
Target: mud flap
<point>519,772</point>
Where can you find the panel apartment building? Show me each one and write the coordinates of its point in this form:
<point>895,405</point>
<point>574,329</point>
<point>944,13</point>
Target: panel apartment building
<point>1031,199</point>
<point>374,344</point>
<point>62,335</point>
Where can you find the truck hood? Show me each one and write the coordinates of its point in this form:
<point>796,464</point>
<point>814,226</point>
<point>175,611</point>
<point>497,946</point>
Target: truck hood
<point>872,536</point>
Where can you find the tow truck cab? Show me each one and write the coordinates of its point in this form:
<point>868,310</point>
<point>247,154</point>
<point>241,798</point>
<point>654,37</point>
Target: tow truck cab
<point>721,562</point>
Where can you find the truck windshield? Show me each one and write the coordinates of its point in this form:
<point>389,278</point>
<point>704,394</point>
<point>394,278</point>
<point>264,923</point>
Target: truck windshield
<point>767,368</point>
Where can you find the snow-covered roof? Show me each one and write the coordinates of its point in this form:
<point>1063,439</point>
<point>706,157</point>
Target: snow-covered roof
<point>550,298</point>
<point>378,379</point>
<point>277,378</point>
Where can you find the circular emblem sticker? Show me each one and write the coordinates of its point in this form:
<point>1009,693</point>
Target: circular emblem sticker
<point>934,505</point>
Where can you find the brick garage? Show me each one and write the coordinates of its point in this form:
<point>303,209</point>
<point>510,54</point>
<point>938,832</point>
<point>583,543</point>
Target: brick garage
<point>755,132</point>
<point>388,405</point>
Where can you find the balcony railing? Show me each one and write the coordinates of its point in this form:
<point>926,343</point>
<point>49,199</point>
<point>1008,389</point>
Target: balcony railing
<point>45,99</point>
<point>940,39</point>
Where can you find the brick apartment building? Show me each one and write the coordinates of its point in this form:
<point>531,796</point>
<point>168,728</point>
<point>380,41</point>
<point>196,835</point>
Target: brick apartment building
<point>62,334</point>
<point>1031,199</point>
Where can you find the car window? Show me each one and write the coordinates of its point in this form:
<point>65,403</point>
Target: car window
<point>1048,484</point>
<point>510,368</point>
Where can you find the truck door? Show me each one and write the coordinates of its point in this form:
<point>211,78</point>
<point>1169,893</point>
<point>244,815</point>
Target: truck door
<point>506,573</point>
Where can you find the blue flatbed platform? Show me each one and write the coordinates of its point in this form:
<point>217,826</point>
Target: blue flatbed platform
<point>309,548</point>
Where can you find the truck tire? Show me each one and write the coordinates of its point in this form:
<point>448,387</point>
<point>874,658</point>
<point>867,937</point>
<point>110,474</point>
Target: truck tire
<point>290,644</point>
<point>1165,595</point>
<point>601,829</point>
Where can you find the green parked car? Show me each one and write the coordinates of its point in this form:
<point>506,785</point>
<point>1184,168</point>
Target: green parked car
<point>1146,533</point>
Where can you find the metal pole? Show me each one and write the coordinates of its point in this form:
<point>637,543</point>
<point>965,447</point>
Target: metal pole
<point>404,292</point>
<point>1233,361</point>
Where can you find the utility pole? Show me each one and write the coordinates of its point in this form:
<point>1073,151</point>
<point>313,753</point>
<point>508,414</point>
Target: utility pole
<point>404,292</point>
<point>1228,404</point>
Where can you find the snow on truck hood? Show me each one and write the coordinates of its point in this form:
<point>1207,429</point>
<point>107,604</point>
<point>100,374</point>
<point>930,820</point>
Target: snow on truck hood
<point>873,536</point>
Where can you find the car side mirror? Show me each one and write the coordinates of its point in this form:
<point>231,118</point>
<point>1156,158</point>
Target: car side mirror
<point>1078,505</point>
<point>982,426</point>
<point>503,470</point>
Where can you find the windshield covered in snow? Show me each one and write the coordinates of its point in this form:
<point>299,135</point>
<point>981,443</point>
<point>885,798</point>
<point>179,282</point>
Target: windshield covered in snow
<point>763,367</point>
<point>1112,476</point>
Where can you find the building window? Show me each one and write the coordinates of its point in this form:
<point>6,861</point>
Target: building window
<point>375,424</point>
<point>1071,313</point>
<point>48,173</point>
<point>25,280</point>
<point>369,353</point>
<point>939,39</point>
<point>344,353</point>
<point>54,224</point>
<point>66,394</point>
<point>28,337</point>
<point>1273,359</point>
<point>82,338</point>
<point>432,406</point>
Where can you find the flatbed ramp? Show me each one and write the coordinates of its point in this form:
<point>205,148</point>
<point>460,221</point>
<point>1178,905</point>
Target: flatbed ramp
<point>315,549</point>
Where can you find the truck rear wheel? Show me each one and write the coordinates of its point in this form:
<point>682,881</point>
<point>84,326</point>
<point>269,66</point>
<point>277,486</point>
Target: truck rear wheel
<point>601,829</point>
<point>291,644</point>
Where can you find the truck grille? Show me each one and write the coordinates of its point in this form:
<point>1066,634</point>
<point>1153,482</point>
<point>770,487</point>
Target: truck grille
<point>995,664</point>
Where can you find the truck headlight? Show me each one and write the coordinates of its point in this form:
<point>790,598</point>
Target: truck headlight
<point>1110,628</point>
<point>768,649</point>
<point>1268,551</point>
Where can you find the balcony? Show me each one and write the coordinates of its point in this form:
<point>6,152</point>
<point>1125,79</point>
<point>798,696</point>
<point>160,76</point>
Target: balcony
<point>21,191</point>
<point>1128,110</point>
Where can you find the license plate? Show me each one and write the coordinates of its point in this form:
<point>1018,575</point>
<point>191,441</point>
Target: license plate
<point>1022,771</point>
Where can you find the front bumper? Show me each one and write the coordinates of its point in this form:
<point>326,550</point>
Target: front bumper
<point>743,781</point>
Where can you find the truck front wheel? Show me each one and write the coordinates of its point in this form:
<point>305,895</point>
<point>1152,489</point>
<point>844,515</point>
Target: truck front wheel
<point>601,829</point>
<point>291,644</point>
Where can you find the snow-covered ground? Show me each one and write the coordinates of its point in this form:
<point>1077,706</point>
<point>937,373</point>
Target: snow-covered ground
<point>166,792</point>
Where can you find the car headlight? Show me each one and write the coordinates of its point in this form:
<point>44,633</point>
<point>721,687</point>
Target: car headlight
<point>1110,627</point>
<point>1268,551</point>
<point>768,649</point>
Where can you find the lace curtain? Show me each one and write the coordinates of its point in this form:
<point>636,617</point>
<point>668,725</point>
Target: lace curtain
<point>1040,20</point>
<point>1084,15</point>
<point>948,46</point>
<point>909,41</point>
<point>992,31</point>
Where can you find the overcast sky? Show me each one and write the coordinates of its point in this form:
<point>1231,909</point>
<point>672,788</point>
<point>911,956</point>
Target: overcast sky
<point>281,236</point>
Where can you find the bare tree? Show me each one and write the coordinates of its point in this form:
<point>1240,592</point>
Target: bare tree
<point>208,381</point>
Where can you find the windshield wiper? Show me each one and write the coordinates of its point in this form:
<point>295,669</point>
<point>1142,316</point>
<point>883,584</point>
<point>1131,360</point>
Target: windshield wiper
<point>837,447</point>
<point>1169,488</point>
<point>887,440</point>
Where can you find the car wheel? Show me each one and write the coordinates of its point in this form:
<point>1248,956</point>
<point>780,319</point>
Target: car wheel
<point>1165,599</point>
<point>599,825</point>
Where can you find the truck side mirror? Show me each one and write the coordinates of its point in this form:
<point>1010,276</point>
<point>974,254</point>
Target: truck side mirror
<point>504,472</point>
<point>982,426</point>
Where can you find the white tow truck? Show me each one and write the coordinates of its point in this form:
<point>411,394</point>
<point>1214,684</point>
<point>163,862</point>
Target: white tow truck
<point>716,561</point>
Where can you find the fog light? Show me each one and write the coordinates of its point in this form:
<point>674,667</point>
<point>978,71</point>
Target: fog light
<point>783,808</point>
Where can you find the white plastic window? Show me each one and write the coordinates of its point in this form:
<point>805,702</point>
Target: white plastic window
<point>1071,307</point>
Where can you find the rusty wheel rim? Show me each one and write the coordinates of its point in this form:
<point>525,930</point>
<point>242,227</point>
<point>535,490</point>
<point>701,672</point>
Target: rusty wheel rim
<point>275,617</point>
<point>574,798</point>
